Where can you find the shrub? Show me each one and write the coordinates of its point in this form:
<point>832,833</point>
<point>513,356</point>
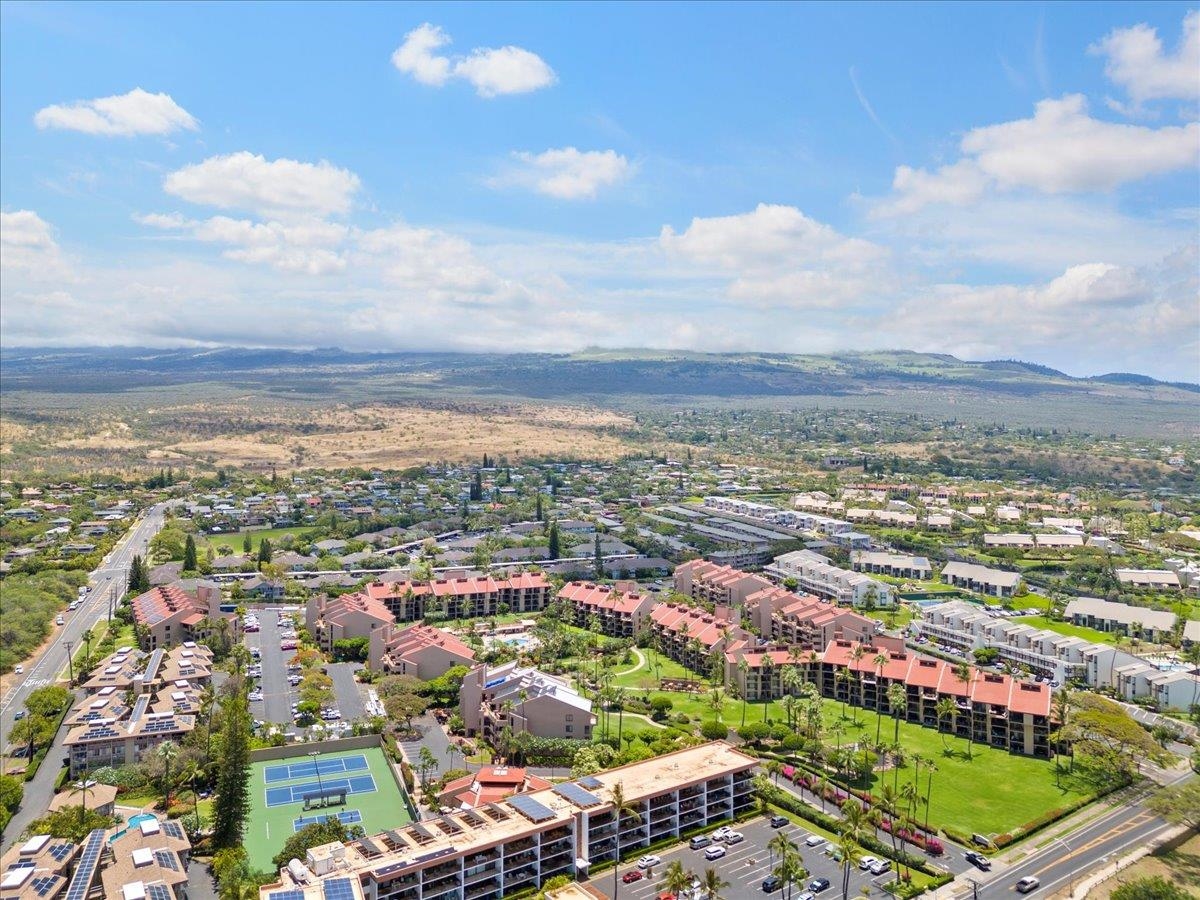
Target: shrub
<point>714,730</point>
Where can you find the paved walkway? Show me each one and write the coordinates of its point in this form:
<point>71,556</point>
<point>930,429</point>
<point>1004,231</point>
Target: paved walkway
<point>641,661</point>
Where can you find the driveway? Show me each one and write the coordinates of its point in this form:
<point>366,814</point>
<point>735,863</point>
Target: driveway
<point>347,691</point>
<point>200,884</point>
<point>278,696</point>
<point>433,736</point>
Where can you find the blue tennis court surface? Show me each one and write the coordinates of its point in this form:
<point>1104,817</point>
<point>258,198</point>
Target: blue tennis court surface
<point>346,816</point>
<point>308,769</point>
<point>294,793</point>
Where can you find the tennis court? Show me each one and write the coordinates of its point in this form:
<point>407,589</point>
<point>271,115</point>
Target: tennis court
<point>346,817</point>
<point>279,787</point>
<point>309,769</point>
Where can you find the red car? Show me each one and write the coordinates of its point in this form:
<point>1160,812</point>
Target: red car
<point>632,876</point>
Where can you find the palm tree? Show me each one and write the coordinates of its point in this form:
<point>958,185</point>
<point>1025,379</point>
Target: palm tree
<point>929,792</point>
<point>617,795</point>
<point>716,702</point>
<point>744,670</point>
<point>889,799</point>
<point>675,879</point>
<point>189,776</point>
<point>880,660</point>
<point>856,656</point>
<point>790,871</point>
<point>773,768</point>
<point>87,646</point>
<point>909,795</point>
<point>843,677</point>
<point>822,787</point>
<point>764,693</point>
<point>167,751</point>
<point>848,847</point>
<point>713,884</point>
<point>963,673</point>
<point>619,699</point>
<point>82,788</point>
<point>946,709</point>
<point>1062,712</point>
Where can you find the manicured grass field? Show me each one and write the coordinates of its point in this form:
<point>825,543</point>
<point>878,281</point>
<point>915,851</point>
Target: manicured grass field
<point>1079,631</point>
<point>991,793</point>
<point>268,827</point>
<point>234,540</point>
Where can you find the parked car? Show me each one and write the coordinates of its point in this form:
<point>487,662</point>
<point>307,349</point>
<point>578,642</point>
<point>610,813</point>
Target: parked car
<point>19,669</point>
<point>867,861</point>
<point>814,840</point>
<point>649,861</point>
<point>779,821</point>
<point>771,884</point>
<point>818,884</point>
<point>719,834</point>
<point>980,840</point>
<point>978,860</point>
<point>58,620</point>
<point>256,695</point>
<point>700,841</point>
<point>879,867</point>
<point>1027,884</point>
<point>632,876</point>
<point>20,714</point>
<point>734,837</point>
<point>716,851</point>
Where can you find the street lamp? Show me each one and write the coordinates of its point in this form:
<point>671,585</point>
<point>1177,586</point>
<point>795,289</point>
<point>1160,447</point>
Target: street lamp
<point>70,663</point>
<point>313,754</point>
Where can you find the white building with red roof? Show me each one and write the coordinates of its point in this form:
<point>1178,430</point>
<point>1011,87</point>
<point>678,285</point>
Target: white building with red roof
<point>617,613</point>
<point>464,597</point>
<point>169,615</point>
<point>489,785</point>
<point>348,616</point>
<point>721,585</point>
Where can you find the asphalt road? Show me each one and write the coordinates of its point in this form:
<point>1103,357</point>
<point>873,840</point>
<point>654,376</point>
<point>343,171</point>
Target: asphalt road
<point>107,582</point>
<point>346,690</point>
<point>744,866</point>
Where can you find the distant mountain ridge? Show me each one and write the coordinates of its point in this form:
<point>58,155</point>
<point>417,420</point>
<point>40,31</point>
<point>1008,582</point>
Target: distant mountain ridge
<point>589,372</point>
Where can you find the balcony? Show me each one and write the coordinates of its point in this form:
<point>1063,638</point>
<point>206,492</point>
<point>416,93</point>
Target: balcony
<point>477,892</point>
<point>516,847</point>
<point>483,873</point>
<point>448,890</point>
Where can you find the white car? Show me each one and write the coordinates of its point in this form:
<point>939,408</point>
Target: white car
<point>19,669</point>
<point>880,866</point>
<point>650,861</point>
<point>716,851</point>
<point>867,861</point>
<point>719,834</point>
<point>256,695</point>
<point>58,621</point>
<point>734,837</point>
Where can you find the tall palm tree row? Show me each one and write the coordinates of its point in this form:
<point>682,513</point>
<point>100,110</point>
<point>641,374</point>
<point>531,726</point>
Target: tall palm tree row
<point>620,807</point>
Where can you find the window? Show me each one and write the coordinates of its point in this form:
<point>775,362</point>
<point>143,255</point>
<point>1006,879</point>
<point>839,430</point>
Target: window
<point>570,728</point>
<point>570,717</point>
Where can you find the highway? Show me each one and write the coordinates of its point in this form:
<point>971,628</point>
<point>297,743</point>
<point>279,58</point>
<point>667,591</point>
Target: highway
<point>107,583</point>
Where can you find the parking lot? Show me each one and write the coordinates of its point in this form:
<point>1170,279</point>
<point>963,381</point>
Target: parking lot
<point>745,865</point>
<point>277,694</point>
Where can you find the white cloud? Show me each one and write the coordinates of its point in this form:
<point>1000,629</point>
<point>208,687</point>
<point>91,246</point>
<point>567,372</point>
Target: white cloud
<point>492,71</point>
<point>27,244</point>
<point>771,236</point>
<point>281,187</point>
<point>1061,149</point>
<point>566,173</point>
<point>1134,60</point>
<point>122,115</point>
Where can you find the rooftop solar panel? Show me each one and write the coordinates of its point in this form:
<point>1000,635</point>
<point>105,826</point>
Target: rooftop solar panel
<point>286,895</point>
<point>424,833</point>
<point>531,809</point>
<point>173,829</point>
<point>85,871</point>
<point>370,846</point>
<point>167,859</point>
<point>474,818</point>
<point>577,795</point>
<point>140,709</point>
<point>61,851</point>
<point>159,891</point>
<point>44,884</point>
<point>155,662</point>
<point>338,889</point>
<point>591,782</point>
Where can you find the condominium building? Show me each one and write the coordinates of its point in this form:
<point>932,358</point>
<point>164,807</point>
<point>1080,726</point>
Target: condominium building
<point>523,700</point>
<point>419,650</point>
<point>515,845</point>
<point>147,861</point>
<point>720,585</point>
<point>169,615</point>
<point>816,574</point>
<point>693,637</point>
<point>1120,618</point>
<point>38,868</point>
<point>808,622</point>
<point>354,615</point>
<point>489,785</point>
<point>463,598</point>
<point>894,565</point>
<point>993,709</point>
<point>981,579</point>
<point>616,613</point>
<point>1161,579</point>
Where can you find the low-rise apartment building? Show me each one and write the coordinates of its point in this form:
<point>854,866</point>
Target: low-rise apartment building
<point>993,709</point>
<point>616,613</point>
<point>515,845</point>
<point>1120,618</point>
<point>355,615</point>
<point>720,585</point>
<point>522,699</point>
<point>463,598</point>
<point>168,615</point>
<point>693,637</point>
<point>807,622</point>
<point>147,861</point>
<point>37,869</point>
<point>419,650</point>
<point>816,574</point>
<point>981,579</point>
<point>894,565</point>
<point>1160,579</point>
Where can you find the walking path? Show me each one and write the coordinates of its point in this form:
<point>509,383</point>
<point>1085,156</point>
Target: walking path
<point>641,662</point>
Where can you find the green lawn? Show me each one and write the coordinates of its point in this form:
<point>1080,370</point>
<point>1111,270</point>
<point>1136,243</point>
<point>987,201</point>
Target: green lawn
<point>268,827</point>
<point>1080,631</point>
<point>991,793</point>
<point>234,540</point>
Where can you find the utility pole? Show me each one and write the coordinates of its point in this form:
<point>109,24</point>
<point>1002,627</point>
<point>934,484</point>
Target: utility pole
<point>70,663</point>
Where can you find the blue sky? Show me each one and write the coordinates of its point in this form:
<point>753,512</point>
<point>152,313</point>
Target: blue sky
<point>987,180</point>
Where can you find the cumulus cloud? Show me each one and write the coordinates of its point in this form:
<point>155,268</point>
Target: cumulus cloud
<point>1135,61</point>
<point>492,71</point>
<point>566,173</point>
<point>1060,149</point>
<point>27,244</point>
<point>281,187</point>
<point>122,115</point>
